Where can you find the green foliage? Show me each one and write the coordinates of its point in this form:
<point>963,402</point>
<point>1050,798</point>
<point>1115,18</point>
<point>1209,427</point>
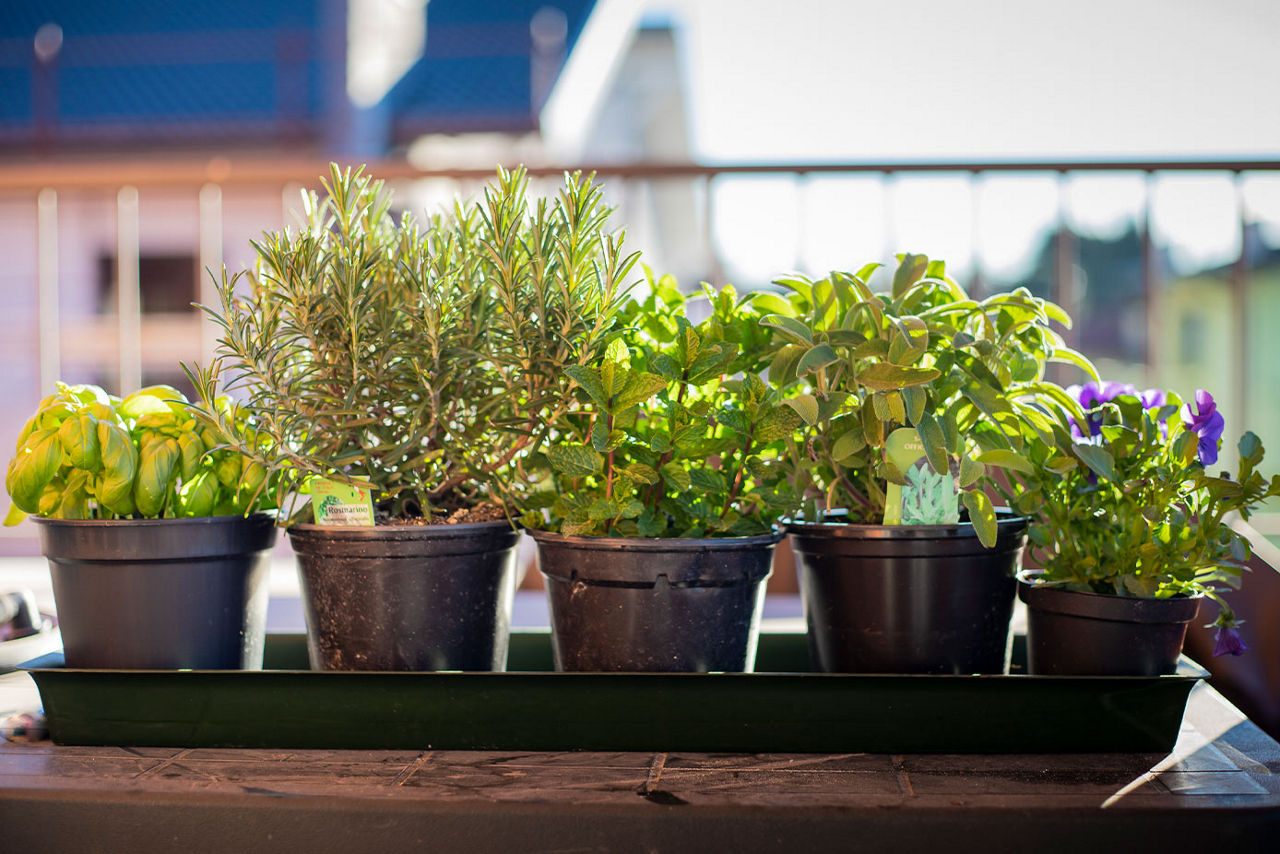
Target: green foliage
<point>89,455</point>
<point>1131,511</point>
<point>674,433</point>
<point>425,360</point>
<point>968,375</point>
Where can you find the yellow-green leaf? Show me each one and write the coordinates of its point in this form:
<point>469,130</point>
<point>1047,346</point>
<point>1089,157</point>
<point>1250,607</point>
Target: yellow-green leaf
<point>1006,460</point>
<point>982,514</point>
<point>79,438</point>
<point>882,376</point>
<point>157,465</point>
<point>970,472</point>
<point>575,460</point>
<point>806,406</point>
<point>935,443</point>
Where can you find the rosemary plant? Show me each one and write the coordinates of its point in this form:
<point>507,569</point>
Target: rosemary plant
<point>422,359</point>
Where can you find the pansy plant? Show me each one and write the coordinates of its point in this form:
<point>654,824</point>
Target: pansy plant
<point>1125,504</point>
<point>966,375</point>
<point>675,433</point>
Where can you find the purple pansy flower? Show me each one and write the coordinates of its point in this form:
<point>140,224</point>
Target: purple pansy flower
<point>1206,422</point>
<point>1092,395</point>
<point>1227,641</point>
<point>1153,397</point>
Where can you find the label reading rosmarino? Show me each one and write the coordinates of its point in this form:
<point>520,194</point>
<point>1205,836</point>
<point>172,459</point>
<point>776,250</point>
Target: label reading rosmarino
<point>341,504</point>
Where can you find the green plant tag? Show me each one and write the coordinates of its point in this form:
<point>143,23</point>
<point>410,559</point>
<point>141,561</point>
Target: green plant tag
<point>929,497</point>
<point>337,503</point>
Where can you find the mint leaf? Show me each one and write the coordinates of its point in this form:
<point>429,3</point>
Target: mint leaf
<point>575,460</point>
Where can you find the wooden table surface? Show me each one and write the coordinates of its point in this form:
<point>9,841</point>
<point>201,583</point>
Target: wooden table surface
<point>1217,791</point>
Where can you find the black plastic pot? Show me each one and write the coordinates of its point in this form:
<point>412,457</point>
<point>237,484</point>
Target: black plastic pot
<point>1094,634</point>
<point>908,598</point>
<point>161,594</point>
<point>622,604</point>
<point>407,597</point>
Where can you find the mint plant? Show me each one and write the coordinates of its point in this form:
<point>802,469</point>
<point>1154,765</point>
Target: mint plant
<point>427,359</point>
<point>86,454</point>
<point>967,375</point>
<point>675,433</point>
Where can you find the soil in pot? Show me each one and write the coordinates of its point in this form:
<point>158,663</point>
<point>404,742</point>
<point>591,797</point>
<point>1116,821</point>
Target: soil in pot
<point>673,605</point>
<point>161,594</point>
<point>405,597</point>
<point>1095,634</point>
<point>908,598</point>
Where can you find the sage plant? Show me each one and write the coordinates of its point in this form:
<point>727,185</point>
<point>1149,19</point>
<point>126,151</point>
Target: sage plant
<point>967,375</point>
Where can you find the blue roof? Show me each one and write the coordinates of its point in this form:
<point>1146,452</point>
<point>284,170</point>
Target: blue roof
<point>155,71</point>
<point>476,69</point>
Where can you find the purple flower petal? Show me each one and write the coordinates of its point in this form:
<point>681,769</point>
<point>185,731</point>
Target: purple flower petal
<point>1091,395</point>
<point>1204,401</point>
<point>1207,423</point>
<point>1153,397</point>
<point>1227,641</point>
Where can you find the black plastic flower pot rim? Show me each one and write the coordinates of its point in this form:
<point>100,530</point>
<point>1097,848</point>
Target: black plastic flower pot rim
<point>687,573</point>
<point>1006,524</point>
<point>156,539</point>
<point>461,539</point>
<point>1055,598</point>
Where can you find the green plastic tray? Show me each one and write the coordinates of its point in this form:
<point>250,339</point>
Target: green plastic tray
<point>781,708</point>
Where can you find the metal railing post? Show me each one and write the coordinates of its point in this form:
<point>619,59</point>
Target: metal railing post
<point>128,295</point>
<point>48,318</point>
<point>1240,310</point>
<point>210,226</point>
<point>1152,299</point>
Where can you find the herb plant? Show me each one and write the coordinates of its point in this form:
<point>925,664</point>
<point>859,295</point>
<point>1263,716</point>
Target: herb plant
<point>89,455</point>
<point>424,360</point>
<point>967,375</point>
<point>676,434</point>
<point>1125,504</point>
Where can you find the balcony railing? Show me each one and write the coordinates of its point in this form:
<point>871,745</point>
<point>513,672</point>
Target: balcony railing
<point>131,342</point>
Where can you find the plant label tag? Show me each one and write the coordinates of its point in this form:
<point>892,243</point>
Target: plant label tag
<point>929,498</point>
<point>336,503</point>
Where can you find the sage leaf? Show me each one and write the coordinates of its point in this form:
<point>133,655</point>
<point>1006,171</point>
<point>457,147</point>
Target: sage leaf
<point>817,358</point>
<point>882,376</point>
<point>1005,459</point>
<point>806,406</point>
<point>935,445</point>
<point>790,327</point>
<point>970,472</point>
<point>982,514</point>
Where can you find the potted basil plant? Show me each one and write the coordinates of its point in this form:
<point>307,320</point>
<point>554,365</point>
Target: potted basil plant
<point>1133,531</point>
<point>657,534</point>
<point>911,399</point>
<point>158,537</point>
<point>402,371</point>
